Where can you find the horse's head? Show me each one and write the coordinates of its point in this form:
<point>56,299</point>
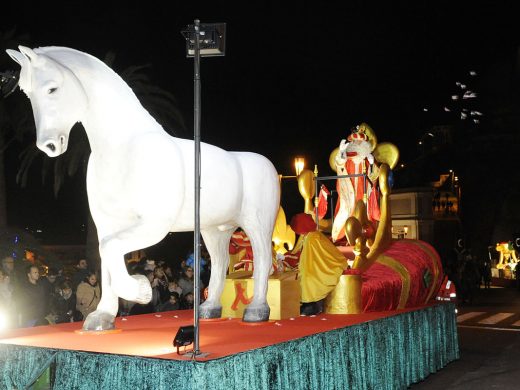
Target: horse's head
<point>57,98</point>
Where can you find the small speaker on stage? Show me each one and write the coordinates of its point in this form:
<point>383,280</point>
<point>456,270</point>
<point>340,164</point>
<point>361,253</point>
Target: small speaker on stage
<point>184,337</point>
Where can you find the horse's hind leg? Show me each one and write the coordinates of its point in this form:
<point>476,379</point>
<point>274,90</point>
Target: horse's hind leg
<point>217,243</point>
<point>260,236</point>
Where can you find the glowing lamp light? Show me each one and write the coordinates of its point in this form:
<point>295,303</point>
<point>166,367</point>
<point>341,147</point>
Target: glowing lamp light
<point>299,164</point>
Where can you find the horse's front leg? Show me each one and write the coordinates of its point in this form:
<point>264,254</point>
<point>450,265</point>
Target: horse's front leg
<point>103,317</point>
<point>116,282</point>
<point>217,243</point>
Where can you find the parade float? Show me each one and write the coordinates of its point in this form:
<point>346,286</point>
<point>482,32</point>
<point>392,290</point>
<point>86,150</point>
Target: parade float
<point>351,263</point>
<point>379,327</point>
<point>503,272</point>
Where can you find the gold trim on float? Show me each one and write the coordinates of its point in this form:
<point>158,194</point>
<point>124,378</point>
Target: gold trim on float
<point>400,269</point>
<point>346,296</point>
<point>435,267</point>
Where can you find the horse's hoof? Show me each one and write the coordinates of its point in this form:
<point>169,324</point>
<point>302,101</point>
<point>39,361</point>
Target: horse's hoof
<point>258,313</point>
<point>208,312</point>
<point>144,293</point>
<point>99,320</point>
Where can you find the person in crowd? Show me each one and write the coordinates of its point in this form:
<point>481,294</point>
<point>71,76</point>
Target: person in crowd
<point>187,301</point>
<point>171,304</point>
<point>156,295</point>
<point>173,286</point>
<point>88,295</point>
<point>80,273</point>
<point>168,271</point>
<point>181,268</point>
<point>190,261</point>
<point>32,299</point>
<point>161,282</point>
<point>8,266</point>
<point>186,282</point>
<point>50,287</point>
<point>149,265</point>
<point>470,277</point>
<point>63,305</point>
<point>486,274</point>
<point>5,288</point>
<point>6,299</point>
<point>9,269</point>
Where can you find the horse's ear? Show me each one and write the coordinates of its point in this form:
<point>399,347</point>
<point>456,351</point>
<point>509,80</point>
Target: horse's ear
<point>33,58</point>
<point>16,56</point>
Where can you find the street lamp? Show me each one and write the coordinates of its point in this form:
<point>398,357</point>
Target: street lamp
<point>202,40</point>
<point>299,164</point>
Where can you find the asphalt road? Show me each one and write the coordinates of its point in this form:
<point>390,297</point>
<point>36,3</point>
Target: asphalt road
<point>489,340</point>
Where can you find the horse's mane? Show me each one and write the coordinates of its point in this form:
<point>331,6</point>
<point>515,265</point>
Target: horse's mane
<point>82,63</point>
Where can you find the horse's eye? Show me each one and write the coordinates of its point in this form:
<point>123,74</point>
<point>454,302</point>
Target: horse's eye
<point>51,90</point>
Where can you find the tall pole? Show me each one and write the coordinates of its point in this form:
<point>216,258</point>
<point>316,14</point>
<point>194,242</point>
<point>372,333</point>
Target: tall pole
<point>196,232</point>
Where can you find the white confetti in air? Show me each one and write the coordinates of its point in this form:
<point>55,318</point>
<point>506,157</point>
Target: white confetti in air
<point>158,315</point>
<point>124,319</point>
<point>463,115</point>
<point>454,97</point>
<point>324,319</point>
<point>425,109</point>
<point>447,109</point>
<point>277,324</point>
<point>476,121</point>
<point>472,73</point>
<point>469,95</point>
<point>478,113</point>
<point>175,316</point>
<point>463,86</point>
<point>291,319</point>
<point>314,315</point>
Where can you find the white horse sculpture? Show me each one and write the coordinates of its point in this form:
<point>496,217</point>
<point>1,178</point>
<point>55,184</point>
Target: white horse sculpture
<point>140,180</point>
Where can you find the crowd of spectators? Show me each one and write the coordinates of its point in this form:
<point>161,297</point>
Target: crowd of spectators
<point>32,296</point>
<point>172,288</point>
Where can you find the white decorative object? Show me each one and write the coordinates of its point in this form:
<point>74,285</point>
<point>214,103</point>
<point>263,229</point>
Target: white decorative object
<point>140,180</point>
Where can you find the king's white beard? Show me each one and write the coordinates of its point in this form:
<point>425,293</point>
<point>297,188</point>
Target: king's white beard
<point>362,149</point>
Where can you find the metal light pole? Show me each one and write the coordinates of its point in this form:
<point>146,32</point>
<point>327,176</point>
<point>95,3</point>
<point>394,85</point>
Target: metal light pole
<point>202,40</point>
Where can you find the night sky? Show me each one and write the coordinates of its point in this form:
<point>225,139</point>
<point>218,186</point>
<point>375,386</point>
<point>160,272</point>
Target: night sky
<point>294,80</point>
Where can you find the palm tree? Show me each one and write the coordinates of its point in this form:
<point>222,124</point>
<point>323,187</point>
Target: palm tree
<point>160,103</point>
<point>14,118</point>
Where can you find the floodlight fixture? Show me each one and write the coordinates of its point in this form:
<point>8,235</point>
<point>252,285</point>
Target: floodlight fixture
<point>184,337</point>
<point>212,39</point>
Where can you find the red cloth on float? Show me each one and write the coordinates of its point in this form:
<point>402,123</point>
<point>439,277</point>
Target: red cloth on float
<point>238,242</point>
<point>323,201</point>
<point>382,285</point>
<point>302,223</point>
